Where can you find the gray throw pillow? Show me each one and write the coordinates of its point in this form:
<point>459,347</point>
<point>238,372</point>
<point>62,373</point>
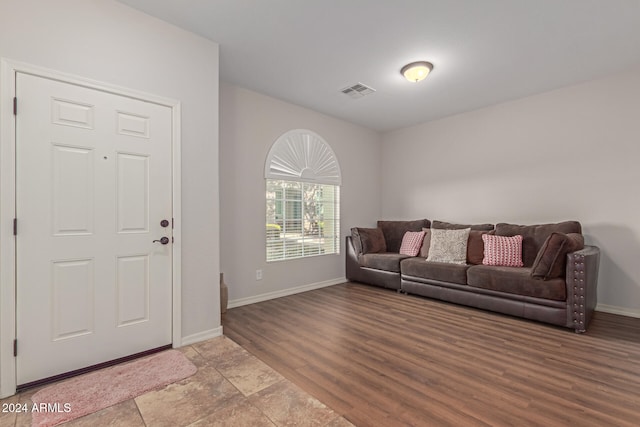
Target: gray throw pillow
<point>368,240</point>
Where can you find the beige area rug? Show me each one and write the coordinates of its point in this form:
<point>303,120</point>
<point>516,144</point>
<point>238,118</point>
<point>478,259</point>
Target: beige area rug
<point>92,392</point>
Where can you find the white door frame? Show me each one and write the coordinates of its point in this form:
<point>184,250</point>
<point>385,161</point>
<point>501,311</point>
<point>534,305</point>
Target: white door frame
<point>8,70</point>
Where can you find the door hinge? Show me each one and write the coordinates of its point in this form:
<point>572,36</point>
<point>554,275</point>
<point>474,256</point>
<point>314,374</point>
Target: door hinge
<point>15,226</point>
<point>15,348</point>
<point>15,106</point>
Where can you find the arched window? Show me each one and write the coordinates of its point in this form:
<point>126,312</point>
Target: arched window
<point>303,180</point>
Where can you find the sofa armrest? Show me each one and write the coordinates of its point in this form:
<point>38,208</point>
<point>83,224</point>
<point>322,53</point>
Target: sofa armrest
<point>352,264</point>
<point>582,282</point>
<point>372,276</point>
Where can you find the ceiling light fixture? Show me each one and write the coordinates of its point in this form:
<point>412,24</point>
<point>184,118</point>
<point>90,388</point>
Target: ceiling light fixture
<point>416,71</point>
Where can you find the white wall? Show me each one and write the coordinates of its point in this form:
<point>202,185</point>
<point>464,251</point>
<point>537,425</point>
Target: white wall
<point>567,154</point>
<point>249,124</point>
<point>109,42</point>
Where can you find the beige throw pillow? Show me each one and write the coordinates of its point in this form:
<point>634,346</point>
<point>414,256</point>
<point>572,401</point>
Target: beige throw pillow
<point>448,246</point>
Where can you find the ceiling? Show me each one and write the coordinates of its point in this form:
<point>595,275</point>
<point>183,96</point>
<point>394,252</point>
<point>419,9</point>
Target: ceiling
<point>484,52</point>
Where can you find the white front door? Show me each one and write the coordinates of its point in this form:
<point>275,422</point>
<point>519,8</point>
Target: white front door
<point>93,184</point>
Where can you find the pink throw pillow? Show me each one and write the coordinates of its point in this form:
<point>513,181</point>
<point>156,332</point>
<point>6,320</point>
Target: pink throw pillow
<point>411,243</point>
<point>502,250</point>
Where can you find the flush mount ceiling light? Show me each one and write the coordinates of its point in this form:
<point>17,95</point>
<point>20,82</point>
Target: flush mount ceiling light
<point>416,71</point>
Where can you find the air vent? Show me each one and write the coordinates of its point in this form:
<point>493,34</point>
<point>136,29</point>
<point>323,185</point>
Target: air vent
<point>358,90</point>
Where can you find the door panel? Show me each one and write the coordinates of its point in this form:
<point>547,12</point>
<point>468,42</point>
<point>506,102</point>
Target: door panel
<point>93,182</point>
<point>133,289</point>
<point>72,294</point>
<point>133,193</point>
<point>73,190</point>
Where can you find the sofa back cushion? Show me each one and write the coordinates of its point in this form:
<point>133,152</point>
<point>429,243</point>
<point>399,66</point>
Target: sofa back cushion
<point>426,243</point>
<point>394,231</point>
<point>475,247</point>
<point>368,240</point>
<point>534,236</point>
<point>442,225</point>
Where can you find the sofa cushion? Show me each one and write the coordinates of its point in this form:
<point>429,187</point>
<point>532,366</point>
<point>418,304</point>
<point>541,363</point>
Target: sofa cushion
<point>552,258</point>
<point>451,226</point>
<point>449,246</point>
<point>475,246</point>
<point>426,243</point>
<point>441,271</point>
<point>533,236</point>
<point>515,280</point>
<point>368,240</point>
<point>394,231</point>
<point>411,243</point>
<point>387,261</point>
<point>502,250</point>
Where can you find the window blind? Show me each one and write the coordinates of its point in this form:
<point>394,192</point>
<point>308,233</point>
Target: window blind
<point>303,219</point>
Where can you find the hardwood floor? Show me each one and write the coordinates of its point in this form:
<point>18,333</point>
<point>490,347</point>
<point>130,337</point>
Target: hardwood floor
<point>385,359</point>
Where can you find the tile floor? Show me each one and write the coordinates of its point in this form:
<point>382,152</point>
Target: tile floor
<point>231,388</point>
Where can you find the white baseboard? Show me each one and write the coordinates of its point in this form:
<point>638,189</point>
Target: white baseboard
<point>201,336</point>
<point>622,311</point>
<point>285,292</point>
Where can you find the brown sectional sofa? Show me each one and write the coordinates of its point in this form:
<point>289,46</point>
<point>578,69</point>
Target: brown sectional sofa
<point>556,285</point>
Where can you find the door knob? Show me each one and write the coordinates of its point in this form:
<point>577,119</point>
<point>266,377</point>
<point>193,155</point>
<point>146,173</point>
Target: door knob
<point>163,240</point>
